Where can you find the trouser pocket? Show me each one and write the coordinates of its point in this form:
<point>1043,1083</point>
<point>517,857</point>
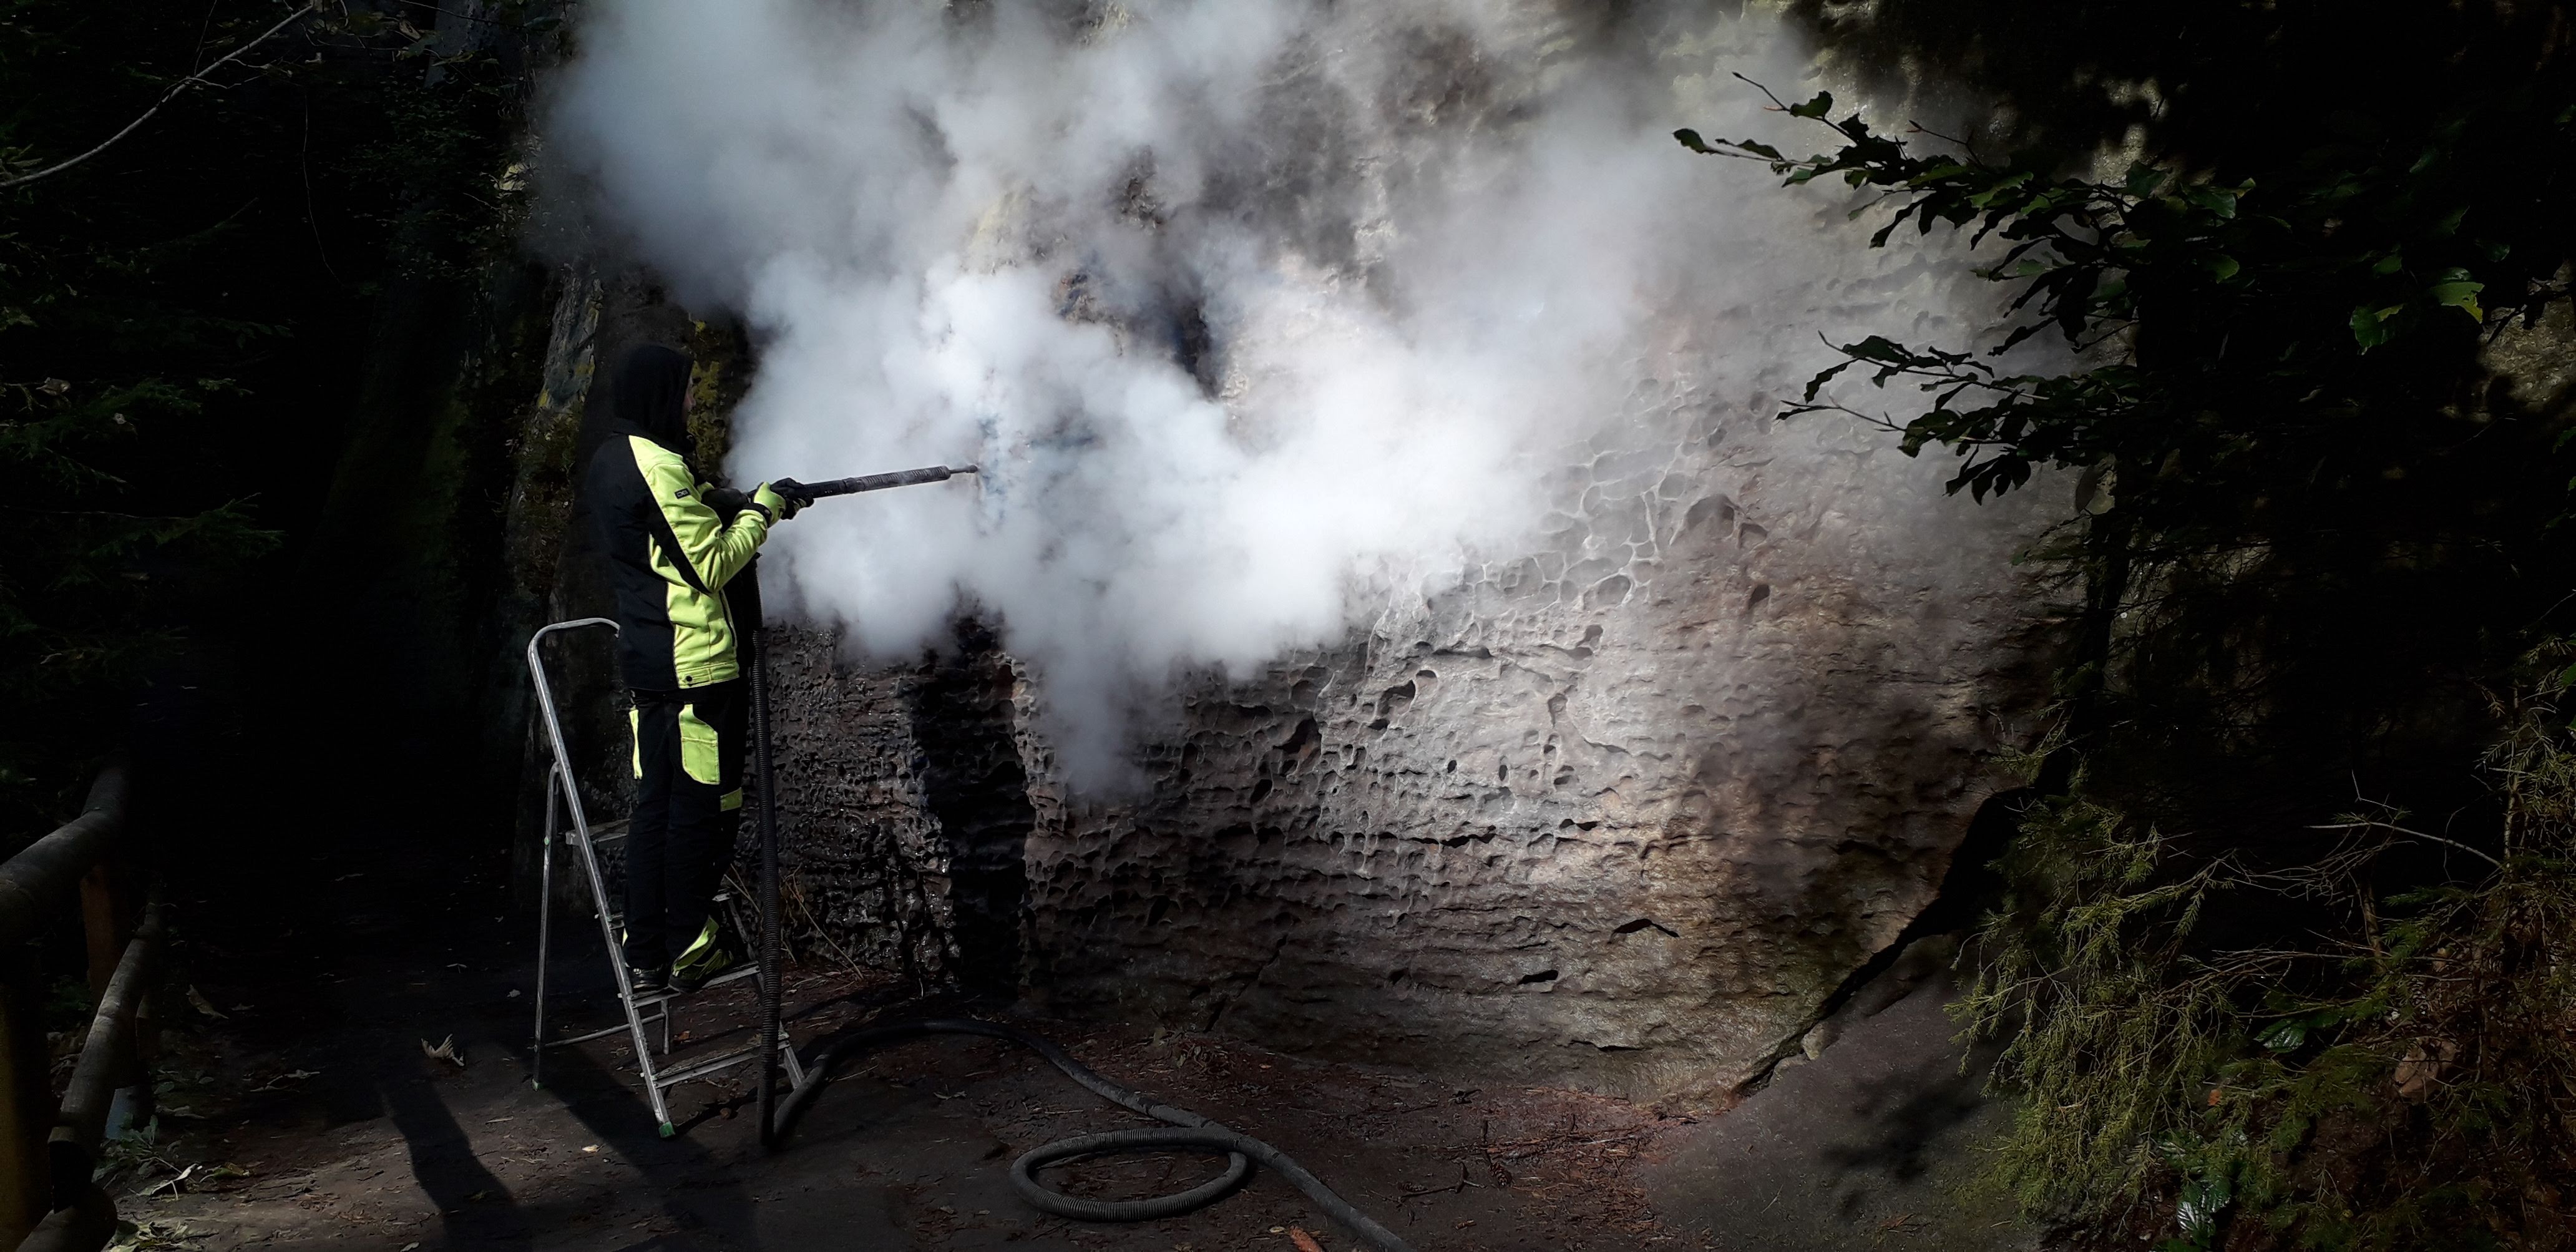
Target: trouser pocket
<point>701,753</point>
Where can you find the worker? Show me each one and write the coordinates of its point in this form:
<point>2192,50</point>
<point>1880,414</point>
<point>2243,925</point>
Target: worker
<point>673,544</point>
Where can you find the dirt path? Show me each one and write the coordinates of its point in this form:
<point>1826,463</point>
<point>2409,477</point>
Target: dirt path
<point>308,1116</point>
<point>314,1119</point>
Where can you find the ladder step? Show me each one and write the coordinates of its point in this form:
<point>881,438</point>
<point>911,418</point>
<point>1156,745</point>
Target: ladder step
<point>700,1069</point>
<point>737,974</point>
<point>602,1033</point>
<point>660,1002</point>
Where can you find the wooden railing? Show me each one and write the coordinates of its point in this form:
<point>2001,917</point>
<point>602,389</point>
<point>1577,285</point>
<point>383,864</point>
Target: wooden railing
<point>49,1151</point>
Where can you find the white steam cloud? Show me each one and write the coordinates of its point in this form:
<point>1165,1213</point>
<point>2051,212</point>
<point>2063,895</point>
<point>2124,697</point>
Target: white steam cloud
<point>1248,308</point>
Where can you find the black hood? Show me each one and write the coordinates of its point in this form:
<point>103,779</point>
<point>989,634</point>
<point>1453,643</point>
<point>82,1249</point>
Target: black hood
<point>650,392</point>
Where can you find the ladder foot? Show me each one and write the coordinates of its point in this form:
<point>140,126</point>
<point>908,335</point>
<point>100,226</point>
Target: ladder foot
<point>667,1132</point>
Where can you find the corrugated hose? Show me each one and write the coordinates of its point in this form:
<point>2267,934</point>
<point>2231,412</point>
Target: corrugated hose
<point>1187,1130</point>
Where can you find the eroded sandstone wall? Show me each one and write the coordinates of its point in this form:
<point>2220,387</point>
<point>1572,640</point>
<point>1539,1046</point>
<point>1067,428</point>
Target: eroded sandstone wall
<point>864,855</point>
<point>1621,813</point>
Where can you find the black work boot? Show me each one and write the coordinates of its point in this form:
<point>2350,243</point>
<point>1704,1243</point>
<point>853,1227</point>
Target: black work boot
<point>712,953</point>
<point>646,982</point>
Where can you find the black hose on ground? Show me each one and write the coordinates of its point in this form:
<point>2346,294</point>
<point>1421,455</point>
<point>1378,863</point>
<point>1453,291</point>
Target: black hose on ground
<point>1189,1131</point>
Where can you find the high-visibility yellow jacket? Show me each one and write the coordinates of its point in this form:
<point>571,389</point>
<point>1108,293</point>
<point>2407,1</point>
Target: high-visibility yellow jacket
<point>670,556</point>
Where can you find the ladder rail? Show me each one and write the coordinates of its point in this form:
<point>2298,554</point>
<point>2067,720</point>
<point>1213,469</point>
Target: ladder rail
<point>563,785</point>
<point>545,929</point>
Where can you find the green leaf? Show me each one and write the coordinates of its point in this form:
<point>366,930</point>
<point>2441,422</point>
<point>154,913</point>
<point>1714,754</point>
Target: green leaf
<point>2221,267</point>
<point>2143,180</point>
<point>1818,107</point>
<point>2368,328</point>
<point>2285,1036</point>
<point>2218,200</point>
<point>2391,263</point>
<point>1987,198</point>
<point>2458,291</point>
<point>1690,139</point>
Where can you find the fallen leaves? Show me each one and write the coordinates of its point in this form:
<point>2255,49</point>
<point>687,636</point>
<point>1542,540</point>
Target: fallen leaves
<point>195,1175</point>
<point>153,1236</point>
<point>2423,1066</point>
<point>446,1051</point>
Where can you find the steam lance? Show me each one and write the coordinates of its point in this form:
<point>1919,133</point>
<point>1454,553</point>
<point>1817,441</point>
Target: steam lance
<point>795,490</point>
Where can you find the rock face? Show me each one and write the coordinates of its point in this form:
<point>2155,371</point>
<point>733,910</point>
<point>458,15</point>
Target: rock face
<point>1621,814</point>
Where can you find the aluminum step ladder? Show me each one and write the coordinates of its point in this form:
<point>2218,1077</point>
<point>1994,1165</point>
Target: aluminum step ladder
<point>562,799</point>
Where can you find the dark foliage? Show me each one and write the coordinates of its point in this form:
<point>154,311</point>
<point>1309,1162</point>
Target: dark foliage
<point>182,320</point>
<point>2315,522</point>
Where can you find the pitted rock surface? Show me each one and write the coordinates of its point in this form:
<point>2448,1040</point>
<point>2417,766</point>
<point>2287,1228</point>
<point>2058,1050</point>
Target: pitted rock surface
<point>860,850</point>
<point>1621,814</point>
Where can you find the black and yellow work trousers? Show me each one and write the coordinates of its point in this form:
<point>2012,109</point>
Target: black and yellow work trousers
<point>688,806</point>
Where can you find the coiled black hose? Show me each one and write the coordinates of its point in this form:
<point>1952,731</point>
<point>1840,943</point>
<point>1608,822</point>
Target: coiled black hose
<point>1189,1131</point>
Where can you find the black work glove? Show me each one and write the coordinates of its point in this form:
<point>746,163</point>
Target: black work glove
<point>726,502</point>
<point>791,494</point>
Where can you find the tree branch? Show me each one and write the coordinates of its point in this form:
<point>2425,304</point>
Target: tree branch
<point>175,88</point>
<point>2368,824</point>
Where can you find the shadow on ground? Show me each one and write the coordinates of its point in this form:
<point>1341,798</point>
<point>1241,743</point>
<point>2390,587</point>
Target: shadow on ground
<point>1877,1143</point>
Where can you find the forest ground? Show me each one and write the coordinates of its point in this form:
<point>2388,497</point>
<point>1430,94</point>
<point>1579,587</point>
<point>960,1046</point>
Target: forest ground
<point>316,1087</point>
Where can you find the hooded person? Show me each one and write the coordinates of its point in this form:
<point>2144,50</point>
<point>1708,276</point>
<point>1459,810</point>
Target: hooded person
<point>673,543</point>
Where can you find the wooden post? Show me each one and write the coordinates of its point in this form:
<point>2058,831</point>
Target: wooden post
<point>107,921</point>
<point>26,1098</point>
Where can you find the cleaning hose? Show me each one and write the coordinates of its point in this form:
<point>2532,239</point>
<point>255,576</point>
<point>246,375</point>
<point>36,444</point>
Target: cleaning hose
<point>1187,1130</point>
